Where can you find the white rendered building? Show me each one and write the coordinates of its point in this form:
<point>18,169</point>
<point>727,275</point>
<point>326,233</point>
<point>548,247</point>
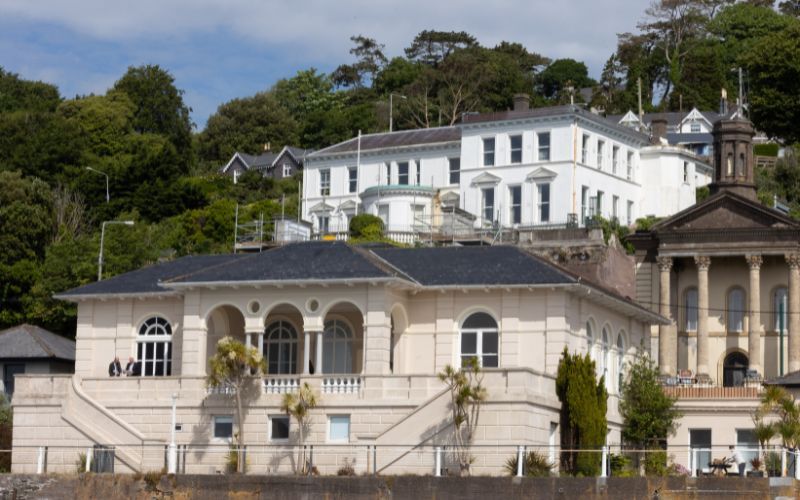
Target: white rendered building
<point>368,328</point>
<point>521,168</point>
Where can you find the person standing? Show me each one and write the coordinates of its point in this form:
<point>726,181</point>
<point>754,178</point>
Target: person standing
<point>738,459</point>
<point>115,368</point>
<point>130,367</point>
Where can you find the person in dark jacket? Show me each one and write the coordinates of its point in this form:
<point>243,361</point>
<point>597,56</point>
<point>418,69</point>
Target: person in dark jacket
<point>115,368</point>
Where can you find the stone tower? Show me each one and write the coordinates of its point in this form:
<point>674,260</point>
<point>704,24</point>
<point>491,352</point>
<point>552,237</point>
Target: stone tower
<point>733,157</point>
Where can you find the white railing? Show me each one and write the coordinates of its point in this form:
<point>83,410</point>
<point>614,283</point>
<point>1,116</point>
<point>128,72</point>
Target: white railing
<point>225,390</point>
<point>341,385</point>
<point>281,385</point>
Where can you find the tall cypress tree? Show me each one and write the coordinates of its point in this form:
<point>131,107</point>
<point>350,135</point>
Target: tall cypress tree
<point>583,413</point>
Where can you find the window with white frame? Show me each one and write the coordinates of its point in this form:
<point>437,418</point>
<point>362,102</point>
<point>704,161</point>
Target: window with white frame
<point>223,426</point>
<point>629,212</point>
<point>605,355</point>
<point>479,339</point>
<point>690,323</point>
<point>352,179</point>
<point>515,204</point>
<point>620,360</point>
<point>615,207</point>
<point>780,306</point>
<point>598,210</point>
<point>416,172</point>
<point>488,151</point>
<point>585,150</point>
<point>735,310</point>
<point>387,173</point>
<point>383,213</point>
<point>339,428</point>
<point>455,170</point>
<point>601,153</point>
<point>402,173</point>
<point>487,208</point>
<point>585,205</point>
<point>630,166</point>
<point>615,160</point>
<point>279,426</point>
<point>280,347</point>
<point>287,170</point>
<point>543,201</point>
<point>324,182</point>
<point>337,347</point>
<point>154,347</point>
<point>544,146</point>
<point>324,223</point>
<point>694,128</point>
<point>685,172</point>
<point>515,141</point>
<point>419,214</point>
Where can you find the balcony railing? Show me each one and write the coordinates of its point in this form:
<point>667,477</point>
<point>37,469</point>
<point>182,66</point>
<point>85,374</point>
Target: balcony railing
<point>706,392</point>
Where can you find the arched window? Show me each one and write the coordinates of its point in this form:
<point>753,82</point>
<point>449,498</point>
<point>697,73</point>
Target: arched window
<point>590,340</point>
<point>337,347</point>
<point>154,347</point>
<point>620,360</point>
<point>734,369</point>
<point>690,314</point>
<point>605,354</point>
<point>780,303</point>
<point>479,339</point>
<point>280,347</point>
<point>736,310</point>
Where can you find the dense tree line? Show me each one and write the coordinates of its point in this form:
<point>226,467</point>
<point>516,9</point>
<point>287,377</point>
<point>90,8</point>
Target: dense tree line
<point>164,175</point>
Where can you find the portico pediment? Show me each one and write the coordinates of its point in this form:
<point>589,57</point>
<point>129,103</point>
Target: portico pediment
<point>540,173</point>
<point>486,179</point>
<point>347,205</point>
<point>321,207</point>
<point>727,211</point>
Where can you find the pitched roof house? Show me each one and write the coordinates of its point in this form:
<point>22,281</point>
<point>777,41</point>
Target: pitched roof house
<point>31,349</point>
<point>285,163</point>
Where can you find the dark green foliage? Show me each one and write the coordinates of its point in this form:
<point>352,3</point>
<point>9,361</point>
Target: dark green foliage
<point>583,414</point>
<point>782,180</point>
<point>17,94</point>
<point>536,465</point>
<point>646,223</point>
<point>649,415</point>
<point>432,47</point>
<point>366,227</point>
<point>701,193</point>
<point>620,465</point>
<point>768,149</point>
<point>613,226</point>
<point>563,73</point>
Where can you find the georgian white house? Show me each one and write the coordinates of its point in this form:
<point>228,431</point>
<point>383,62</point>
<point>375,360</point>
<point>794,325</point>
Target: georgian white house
<point>520,168</point>
<point>368,328</point>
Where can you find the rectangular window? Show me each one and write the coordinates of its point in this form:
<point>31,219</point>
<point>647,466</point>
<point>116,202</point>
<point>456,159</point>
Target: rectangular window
<point>402,173</point>
<point>287,170</point>
<point>544,146</point>
<point>515,197</point>
<point>325,182</point>
<point>543,195</point>
<point>455,170</point>
<point>488,204</point>
<point>488,151</point>
<point>416,173</point>
<point>223,426</point>
<point>629,212</point>
<point>630,166</point>
<point>278,428</point>
<point>700,440</point>
<point>615,206</point>
<point>685,172</point>
<point>516,148</point>
<point>480,344</point>
<point>324,223</point>
<point>585,207</point>
<point>598,208</point>
<point>694,128</point>
<point>383,213</point>
<point>615,160</point>
<point>747,444</point>
<point>387,168</point>
<point>419,214</point>
<point>601,153</point>
<point>585,150</point>
<point>339,428</point>
<point>352,179</point>
<point>691,310</point>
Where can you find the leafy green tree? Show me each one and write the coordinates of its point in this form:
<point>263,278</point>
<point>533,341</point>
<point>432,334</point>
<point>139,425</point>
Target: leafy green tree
<point>17,94</point>
<point>396,75</point>
<point>158,107</point>
<point>773,65</point>
<point>432,47</point>
<point>583,413</point>
<point>247,125</point>
<point>298,406</point>
<point>370,61</point>
<point>790,7</point>
<point>648,413</point>
<point>366,227</point>
<point>40,144</point>
<point>467,393</point>
<point>561,73</point>
<point>234,369</point>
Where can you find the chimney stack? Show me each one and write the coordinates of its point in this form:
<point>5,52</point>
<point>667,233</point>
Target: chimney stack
<point>522,102</point>
<point>658,130</point>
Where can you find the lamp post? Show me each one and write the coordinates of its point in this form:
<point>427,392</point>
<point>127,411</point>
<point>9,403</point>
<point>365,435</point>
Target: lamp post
<point>172,456</point>
<point>108,197</point>
<point>391,121</point>
<point>102,242</point>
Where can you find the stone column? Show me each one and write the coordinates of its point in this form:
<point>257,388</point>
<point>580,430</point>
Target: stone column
<point>754,327</point>
<point>703,262</point>
<point>794,311</point>
<point>306,353</point>
<point>318,362</point>
<point>667,343</point>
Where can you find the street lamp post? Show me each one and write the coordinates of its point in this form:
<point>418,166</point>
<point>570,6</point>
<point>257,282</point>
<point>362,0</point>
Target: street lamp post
<point>391,121</point>
<point>172,456</point>
<point>102,242</point>
<point>108,197</point>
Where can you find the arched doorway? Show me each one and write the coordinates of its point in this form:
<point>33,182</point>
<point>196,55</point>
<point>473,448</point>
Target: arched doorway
<point>284,340</point>
<point>734,369</point>
<point>223,321</point>
<point>342,340</point>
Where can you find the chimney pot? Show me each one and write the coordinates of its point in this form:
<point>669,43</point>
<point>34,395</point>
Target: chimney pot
<point>522,102</point>
<point>658,129</point>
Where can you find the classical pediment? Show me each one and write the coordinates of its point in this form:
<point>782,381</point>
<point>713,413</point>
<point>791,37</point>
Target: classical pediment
<point>540,173</point>
<point>321,207</point>
<point>486,178</point>
<point>451,198</point>
<point>347,205</point>
<point>725,211</point>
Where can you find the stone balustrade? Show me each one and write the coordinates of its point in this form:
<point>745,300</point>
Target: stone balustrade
<point>281,385</point>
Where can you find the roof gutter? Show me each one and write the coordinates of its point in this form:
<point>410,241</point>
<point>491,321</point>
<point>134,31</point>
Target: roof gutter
<point>257,283</point>
<point>105,296</point>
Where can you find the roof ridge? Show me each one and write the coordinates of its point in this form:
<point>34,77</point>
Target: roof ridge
<point>377,260</point>
<point>44,345</point>
<point>213,266</point>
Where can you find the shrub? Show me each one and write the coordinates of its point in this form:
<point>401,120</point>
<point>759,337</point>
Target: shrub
<point>655,463</point>
<point>347,469</point>
<point>678,470</point>
<point>772,462</point>
<point>620,465</point>
<point>366,226</point>
<point>536,465</point>
<point>769,149</point>
<point>80,463</point>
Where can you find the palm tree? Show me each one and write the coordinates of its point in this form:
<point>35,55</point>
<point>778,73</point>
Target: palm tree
<point>298,406</point>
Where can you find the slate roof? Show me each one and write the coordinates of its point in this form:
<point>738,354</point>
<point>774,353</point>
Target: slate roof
<point>690,138</point>
<point>394,139</point>
<point>31,342</point>
<point>146,279</point>
<point>673,118</point>
<point>473,265</point>
<point>318,260</point>
<point>791,379</point>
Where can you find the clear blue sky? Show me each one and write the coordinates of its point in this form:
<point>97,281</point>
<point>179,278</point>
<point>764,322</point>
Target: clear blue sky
<point>221,49</point>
